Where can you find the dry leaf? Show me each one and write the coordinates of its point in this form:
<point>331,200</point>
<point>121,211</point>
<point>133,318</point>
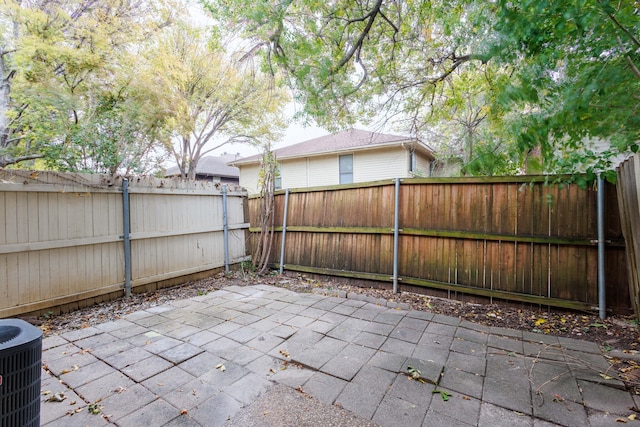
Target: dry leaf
<point>220,367</point>
<point>621,420</point>
<point>57,397</point>
<point>285,353</point>
<point>632,417</point>
<point>65,371</point>
<point>184,412</point>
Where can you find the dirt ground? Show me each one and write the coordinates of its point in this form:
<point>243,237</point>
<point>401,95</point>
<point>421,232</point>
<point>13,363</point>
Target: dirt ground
<point>619,336</point>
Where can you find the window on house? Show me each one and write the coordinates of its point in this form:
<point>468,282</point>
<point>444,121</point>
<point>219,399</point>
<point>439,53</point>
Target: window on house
<point>277,180</point>
<point>346,169</point>
<point>412,161</point>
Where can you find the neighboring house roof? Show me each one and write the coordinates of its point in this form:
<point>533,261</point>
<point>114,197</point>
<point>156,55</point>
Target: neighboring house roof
<point>212,166</point>
<point>348,140</point>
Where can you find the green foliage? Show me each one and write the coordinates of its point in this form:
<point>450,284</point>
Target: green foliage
<point>562,76</point>
<point>208,99</point>
<point>58,62</point>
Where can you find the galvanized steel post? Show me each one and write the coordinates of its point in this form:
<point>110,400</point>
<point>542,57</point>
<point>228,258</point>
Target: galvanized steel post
<point>225,227</point>
<point>396,237</point>
<point>284,228</point>
<point>602,301</point>
<point>126,237</point>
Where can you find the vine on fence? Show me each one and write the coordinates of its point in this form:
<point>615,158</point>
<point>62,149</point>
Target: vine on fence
<point>262,249</point>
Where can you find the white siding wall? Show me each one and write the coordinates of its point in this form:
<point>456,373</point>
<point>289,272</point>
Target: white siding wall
<point>294,173</point>
<point>372,165</point>
<point>423,166</point>
<point>249,176</point>
<point>375,165</point>
<point>323,170</point>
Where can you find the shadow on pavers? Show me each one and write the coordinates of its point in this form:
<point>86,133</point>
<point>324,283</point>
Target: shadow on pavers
<point>284,406</point>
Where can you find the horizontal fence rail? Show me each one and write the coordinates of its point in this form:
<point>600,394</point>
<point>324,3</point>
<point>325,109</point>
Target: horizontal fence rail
<point>514,238</point>
<point>62,238</point>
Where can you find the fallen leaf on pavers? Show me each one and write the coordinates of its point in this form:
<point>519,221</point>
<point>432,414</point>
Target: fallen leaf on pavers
<point>75,367</point>
<point>445,395</point>
<point>57,397</point>
<point>621,420</point>
<point>44,393</point>
<point>633,417</point>
<point>95,409</point>
<point>466,398</point>
<point>73,402</point>
<point>220,367</point>
<point>85,351</point>
<point>65,371</point>
<point>272,371</point>
<point>184,412</point>
<point>160,384</point>
<point>119,389</point>
<point>558,398</point>
<point>193,392</point>
<point>606,377</point>
<point>285,353</point>
<point>415,374</point>
<point>299,389</point>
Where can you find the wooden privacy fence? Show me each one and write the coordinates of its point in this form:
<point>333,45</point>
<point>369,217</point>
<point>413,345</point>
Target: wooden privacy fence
<point>629,201</point>
<point>62,235</point>
<point>510,238</point>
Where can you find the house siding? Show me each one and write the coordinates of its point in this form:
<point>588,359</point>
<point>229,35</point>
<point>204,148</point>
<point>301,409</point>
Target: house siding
<point>380,164</point>
<point>317,171</point>
<point>249,177</point>
<point>423,166</point>
<point>294,173</point>
<point>323,170</point>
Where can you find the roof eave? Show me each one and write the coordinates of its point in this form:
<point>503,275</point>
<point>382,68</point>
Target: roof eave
<point>395,143</point>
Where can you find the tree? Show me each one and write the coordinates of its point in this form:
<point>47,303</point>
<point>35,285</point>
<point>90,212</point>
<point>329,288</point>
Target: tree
<point>573,65</point>
<point>578,80</point>
<point>58,62</point>
<point>211,100</point>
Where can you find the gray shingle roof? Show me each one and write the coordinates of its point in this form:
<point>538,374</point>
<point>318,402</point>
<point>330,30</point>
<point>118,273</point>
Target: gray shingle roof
<point>348,140</point>
<point>212,166</point>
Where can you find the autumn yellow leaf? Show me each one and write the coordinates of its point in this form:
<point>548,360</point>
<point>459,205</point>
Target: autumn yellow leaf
<point>540,321</point>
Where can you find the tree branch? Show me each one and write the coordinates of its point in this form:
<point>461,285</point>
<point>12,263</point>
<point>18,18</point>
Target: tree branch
<point>6,161</point>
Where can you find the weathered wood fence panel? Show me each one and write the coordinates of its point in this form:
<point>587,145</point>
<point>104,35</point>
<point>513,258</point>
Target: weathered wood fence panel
<point>61,239</point>
<point>511,238</point>
<point>629,201</point>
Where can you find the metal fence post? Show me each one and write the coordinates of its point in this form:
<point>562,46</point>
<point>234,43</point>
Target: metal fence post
<point>602,302</point>
<point>126,224</point>
<point>396,237</point>
<point>284,228</point>
<point>225,226</point>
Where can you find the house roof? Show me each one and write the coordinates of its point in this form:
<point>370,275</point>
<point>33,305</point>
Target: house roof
<point>212,166</point>
<point>348,140</point>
